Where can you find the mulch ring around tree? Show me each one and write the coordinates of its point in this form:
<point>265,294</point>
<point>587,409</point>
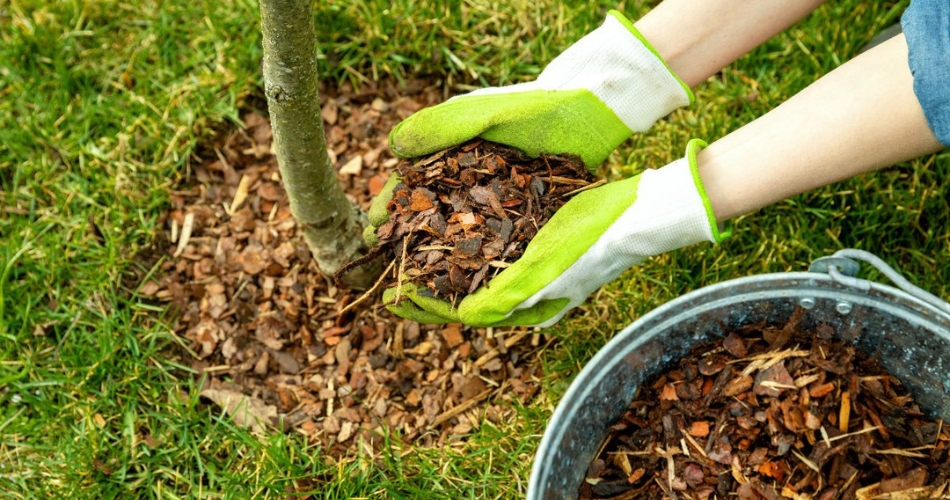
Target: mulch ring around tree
<point>265,327</point>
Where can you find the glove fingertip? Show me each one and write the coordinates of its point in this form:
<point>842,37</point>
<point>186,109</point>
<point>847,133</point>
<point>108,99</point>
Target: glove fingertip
<point>403,139</point>
<point>377,215</point>
<point>395,145</point>
<point>369,236</point>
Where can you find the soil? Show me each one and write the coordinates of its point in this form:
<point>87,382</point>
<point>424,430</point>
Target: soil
<point>461,216</point>
<point>770,413</point>
<point>258,321</point>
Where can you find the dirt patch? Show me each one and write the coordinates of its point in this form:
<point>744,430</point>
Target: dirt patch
<point>263,324</point>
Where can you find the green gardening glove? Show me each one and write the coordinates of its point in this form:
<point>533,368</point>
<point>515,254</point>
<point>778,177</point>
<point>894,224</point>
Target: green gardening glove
<point>588,242</point>
<point>377,213</point>
<point>586,102</point>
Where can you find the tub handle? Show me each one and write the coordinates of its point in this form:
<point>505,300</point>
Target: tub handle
<point>841,266</point>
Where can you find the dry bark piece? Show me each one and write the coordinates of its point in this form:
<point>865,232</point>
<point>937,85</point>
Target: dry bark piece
<point>699,429</point>
<point>248,412</point>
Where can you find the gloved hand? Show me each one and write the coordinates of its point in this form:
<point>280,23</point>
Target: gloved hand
<point>588,242</point>
<point>585,102</point>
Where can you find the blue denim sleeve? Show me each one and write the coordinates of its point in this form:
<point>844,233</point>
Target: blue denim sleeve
<point>926,24</point>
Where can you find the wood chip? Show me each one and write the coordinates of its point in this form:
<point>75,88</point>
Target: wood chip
<point>185,233</point>
<point>250,413</point>
<point>352,167</point>
<point>240,195</point>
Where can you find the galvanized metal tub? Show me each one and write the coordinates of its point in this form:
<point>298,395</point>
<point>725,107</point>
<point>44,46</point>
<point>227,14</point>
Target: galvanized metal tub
<point>907,330</point>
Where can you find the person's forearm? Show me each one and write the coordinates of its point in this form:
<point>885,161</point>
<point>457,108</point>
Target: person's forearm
<point>862,116</point>
<point>697,38</point>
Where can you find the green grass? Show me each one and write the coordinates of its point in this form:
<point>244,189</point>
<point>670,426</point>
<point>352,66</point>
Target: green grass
<point>103,106</point>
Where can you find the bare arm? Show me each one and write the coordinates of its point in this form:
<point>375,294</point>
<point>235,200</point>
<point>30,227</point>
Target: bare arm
<point>699,38</point>
<point>860,117</point>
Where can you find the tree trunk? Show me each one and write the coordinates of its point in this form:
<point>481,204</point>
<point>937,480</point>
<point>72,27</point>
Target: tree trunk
<point>331,225</point>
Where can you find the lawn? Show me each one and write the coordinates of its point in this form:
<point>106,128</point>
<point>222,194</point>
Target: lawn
<point>103,108</point>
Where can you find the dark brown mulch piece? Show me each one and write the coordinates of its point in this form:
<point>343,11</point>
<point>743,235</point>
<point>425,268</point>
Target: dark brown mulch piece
<point>258,319</point>
<point>771,414</point>
<point>466,213</point>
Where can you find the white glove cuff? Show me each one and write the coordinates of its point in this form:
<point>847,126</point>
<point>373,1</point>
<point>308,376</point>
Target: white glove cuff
<point>617,65</point>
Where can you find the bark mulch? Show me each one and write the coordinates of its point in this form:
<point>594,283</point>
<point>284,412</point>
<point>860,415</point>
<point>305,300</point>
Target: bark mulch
<point>462,215</point>
<point>266,328</point>
<point>769,413</point>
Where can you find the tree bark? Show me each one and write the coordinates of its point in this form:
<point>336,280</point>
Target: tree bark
<point>330,224</point>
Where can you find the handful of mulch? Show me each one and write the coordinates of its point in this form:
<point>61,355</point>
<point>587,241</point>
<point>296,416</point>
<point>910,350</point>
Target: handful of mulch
<point>462,215</point>
<point>770,413</point>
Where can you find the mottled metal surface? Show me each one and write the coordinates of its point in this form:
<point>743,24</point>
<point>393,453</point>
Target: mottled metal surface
<point>910,337</point>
